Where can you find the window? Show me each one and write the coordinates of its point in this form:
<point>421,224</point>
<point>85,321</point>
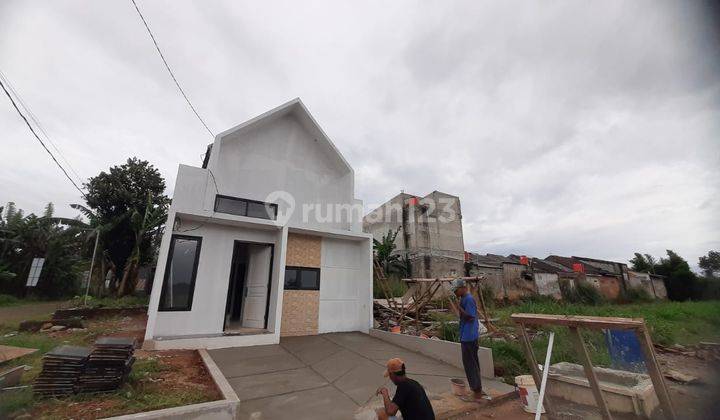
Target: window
<point>244,207</point>
<point>180,273</point>
<point>302,278</point>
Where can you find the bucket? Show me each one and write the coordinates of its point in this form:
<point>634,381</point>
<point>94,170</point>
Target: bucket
<point>395,329</point>
<point>458,387</point>
<point>528,393</point>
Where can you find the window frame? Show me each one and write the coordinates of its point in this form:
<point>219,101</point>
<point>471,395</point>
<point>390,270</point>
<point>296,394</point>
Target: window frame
<point>295,267</point>
<point>166,275</point>
<point>247,201</point>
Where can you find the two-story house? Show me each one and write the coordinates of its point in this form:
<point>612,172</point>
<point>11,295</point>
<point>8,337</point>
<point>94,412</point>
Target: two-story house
<point>264,240</point>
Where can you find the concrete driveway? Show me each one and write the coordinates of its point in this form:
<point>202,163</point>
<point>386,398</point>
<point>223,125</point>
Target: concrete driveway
<point>325,376</point>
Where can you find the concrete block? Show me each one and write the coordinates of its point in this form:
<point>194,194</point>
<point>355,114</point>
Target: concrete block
<point>446,351</point>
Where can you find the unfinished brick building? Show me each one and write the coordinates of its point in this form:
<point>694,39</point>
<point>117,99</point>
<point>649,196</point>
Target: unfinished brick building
<point>429,229</point>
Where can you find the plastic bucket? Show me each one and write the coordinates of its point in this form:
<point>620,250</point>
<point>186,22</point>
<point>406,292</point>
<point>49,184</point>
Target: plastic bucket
<point>528,393</point>
<point>458,387</point>
<point>395,329</point>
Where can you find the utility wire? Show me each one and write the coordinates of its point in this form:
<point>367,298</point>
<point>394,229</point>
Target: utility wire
<point>35,120</point>
<point>167,66</point>
<point>39,139</point>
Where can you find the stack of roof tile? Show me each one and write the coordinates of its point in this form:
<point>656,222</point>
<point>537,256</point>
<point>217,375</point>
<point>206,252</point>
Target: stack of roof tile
<point>109,364</point>
<point>62,366</point>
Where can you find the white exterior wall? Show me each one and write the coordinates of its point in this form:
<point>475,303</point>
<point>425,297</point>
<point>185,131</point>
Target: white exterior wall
<point>282,150</point>
<point>345,292</point>
<point>208,306</point>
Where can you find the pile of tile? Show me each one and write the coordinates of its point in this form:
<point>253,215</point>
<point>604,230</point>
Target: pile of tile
<point>109,364</point>
<point>69,369</point>
<point>62,366</point>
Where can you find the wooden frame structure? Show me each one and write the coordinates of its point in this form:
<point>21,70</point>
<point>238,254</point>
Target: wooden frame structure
<point>575,323</point>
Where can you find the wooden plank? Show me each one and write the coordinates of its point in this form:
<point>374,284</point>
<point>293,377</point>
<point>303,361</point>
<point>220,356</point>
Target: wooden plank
<point>589,372</point>
<point>592,322</point>
<point>656,376</point>
<point>530,357</point>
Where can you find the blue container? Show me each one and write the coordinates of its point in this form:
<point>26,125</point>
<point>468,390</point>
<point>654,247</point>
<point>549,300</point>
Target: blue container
<point>625,351</point>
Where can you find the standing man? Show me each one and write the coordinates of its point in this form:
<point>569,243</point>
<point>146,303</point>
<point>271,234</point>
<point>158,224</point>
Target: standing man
<point>469,326</point>
<point>410,398</point>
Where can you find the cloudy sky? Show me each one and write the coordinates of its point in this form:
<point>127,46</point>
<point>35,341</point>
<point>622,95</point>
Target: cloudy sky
<point>566,127</point>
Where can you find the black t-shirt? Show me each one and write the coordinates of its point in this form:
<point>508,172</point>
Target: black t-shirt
<point>413,402</point>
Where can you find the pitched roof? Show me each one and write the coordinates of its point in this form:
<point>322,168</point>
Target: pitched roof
<point>293,107</point>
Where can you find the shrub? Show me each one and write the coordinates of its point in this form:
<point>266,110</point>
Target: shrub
<point>488,294</point>
<point>636,294</point>
<point>582,293</point>
<point>449,331</point>
<point>8,300</point>
<point>396,286</point>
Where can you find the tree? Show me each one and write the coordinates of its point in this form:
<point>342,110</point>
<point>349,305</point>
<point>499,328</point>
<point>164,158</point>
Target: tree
<point>26,237</point>
<point>122,198</point>
<point>384,248</point>
<point>710,264</point>
<point>681,283</point>
<point>643,262</point>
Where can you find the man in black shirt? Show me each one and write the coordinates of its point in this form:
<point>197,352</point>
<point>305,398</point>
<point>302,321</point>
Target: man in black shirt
<point>410,397</point>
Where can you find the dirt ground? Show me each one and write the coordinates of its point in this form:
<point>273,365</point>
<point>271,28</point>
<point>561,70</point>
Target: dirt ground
<point>159,379</point>
<point>11,315</point>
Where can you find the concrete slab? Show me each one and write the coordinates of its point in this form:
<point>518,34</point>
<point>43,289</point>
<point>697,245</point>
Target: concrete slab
<point>361,382</point>
<point>319,403</point>
<point>310,349</point>
<point>337,365</point>
<point>328,376</point>
<point>275,383</point>
<point>256,365</point>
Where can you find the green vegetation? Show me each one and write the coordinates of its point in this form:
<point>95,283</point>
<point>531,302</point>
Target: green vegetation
<point>129,301</point>
<point>9,300</point>
<point>582,293</point>
<point>680,281</point>
<point>685,323</point>
<point>396,287</point>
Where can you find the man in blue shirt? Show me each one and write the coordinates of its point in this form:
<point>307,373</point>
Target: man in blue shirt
<point>467,313</point>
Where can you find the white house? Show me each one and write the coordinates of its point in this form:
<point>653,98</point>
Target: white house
<point>265,240</point>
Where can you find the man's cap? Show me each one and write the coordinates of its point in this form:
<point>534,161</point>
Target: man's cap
<point>456,284</point>
<point>394,365</point>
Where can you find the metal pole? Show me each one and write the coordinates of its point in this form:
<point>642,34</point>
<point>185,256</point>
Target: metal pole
<point>92,264</point>
<point>546,369</point>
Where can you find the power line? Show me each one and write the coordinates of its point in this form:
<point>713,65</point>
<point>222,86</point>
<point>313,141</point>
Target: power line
<point>167,66</point>
<point>40,140</point>
<point>34,119</point>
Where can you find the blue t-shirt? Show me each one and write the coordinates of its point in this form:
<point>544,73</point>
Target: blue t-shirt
<point>468,328</point>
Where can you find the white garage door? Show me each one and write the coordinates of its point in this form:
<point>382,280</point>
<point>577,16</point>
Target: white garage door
<point>345,286</point>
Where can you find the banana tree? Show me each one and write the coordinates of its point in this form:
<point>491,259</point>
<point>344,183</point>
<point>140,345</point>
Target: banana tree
<point>142,225</point>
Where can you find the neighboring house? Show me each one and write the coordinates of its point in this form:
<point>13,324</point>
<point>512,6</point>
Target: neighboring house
<point>603,275</point>
<point>430,232</point>
<point>509,278</point>
<point>265,240</point>
<point>653,284</point>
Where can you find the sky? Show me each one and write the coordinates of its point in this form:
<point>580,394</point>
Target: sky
<point>565,127</point>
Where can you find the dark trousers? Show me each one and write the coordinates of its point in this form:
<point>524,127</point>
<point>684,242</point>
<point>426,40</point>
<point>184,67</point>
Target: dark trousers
<point>471,364</point>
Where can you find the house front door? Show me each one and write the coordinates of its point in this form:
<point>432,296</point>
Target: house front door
<point>257,286</point>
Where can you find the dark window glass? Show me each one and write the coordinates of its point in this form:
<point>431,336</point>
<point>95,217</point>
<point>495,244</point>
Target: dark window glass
<point>243,207</point>
<point>302,278</point>
<point>261,211</point>
<point>230,206</point>
<point>180,273</point>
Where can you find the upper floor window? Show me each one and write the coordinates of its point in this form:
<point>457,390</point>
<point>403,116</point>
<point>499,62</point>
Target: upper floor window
<point>245,207</point>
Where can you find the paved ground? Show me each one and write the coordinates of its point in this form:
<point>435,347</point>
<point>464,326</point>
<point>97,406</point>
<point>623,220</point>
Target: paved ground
<point>326,376</point>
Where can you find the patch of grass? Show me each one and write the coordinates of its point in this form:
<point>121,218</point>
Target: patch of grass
<point>9,300</point>
<point>14,401</point>
<point>108,302</point>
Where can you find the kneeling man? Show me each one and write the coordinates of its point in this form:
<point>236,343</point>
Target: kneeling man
<point>410,398</point>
